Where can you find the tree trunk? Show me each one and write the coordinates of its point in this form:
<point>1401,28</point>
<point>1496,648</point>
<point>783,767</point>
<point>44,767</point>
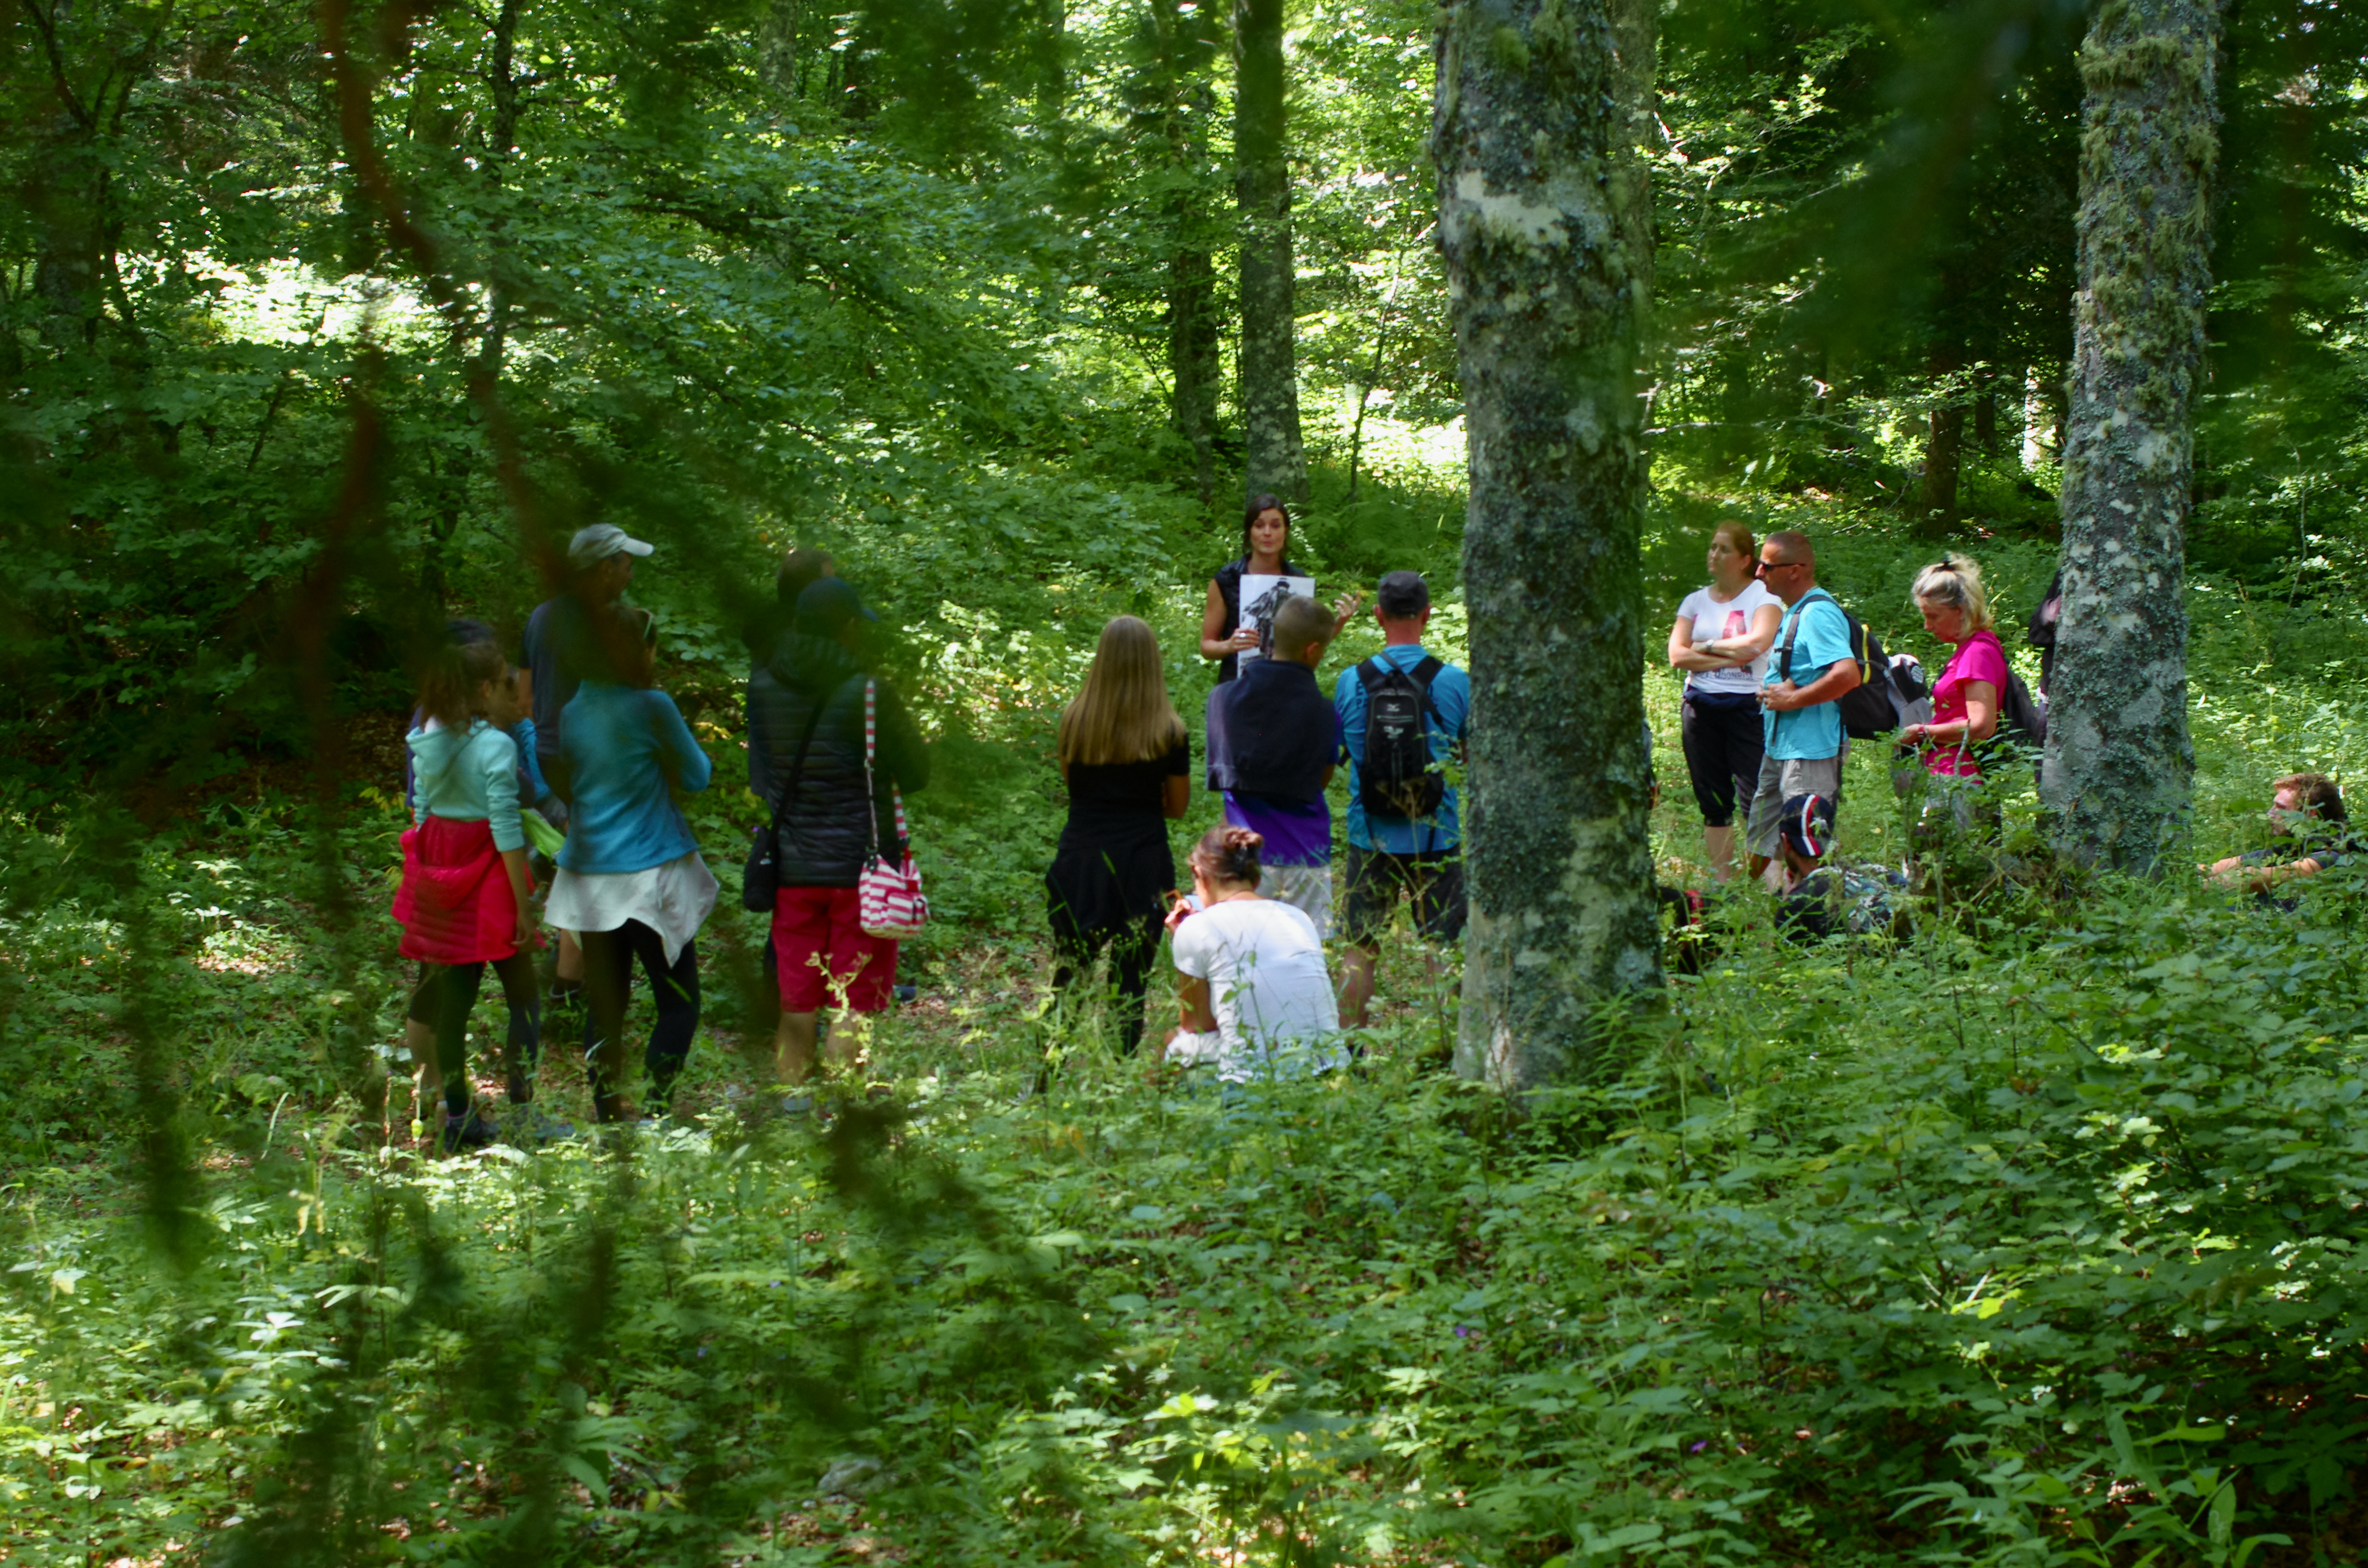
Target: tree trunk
<point>2118,759</point>
<point>776,51</point>
<point>1273,460</point>
<point>1193,323</point>
<point>1944,452</point>
<point>1532,137</point>
<point>1192,358</point>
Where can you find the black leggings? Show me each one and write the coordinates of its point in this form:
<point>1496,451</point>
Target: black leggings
<point>608,957</point>
<point>1723,749</point>
<point>1133,950</point>
<point>447,994</point>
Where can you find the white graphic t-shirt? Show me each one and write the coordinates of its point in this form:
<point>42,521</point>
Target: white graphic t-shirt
<point>1717,622</point>
<point>1267,986</point>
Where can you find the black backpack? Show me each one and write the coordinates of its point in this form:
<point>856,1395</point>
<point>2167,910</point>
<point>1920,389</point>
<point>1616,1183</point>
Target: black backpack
<point>1394,778</point>
<point>2020,719</point>
<point>1867,709</point>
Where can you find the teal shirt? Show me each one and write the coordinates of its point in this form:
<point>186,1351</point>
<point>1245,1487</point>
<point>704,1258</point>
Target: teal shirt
<point>468,775</point>
<point>627,751</point>
<point>1807,735</point>
<point>1450,695</point>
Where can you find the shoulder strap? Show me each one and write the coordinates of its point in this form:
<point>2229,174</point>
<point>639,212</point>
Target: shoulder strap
<point>798,767</point>
<point>870,792</point>
<point>1369,674</point>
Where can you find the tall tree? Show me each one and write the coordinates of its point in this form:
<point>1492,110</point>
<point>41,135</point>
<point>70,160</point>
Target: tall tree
<point>1272,459</point>
<point>1531,136</point>
<point>2118,759</point>
<point>1180,41</point>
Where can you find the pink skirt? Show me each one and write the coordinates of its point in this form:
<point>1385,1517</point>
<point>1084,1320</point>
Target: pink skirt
<point>455,901</point>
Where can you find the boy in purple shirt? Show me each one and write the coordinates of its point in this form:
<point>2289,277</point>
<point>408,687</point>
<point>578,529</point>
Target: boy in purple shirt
<point>1273,738</point>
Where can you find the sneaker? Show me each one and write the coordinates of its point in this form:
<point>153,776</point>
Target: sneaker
<point>907,992</point>
<point>520,1087</point>
<point>470,1132</point>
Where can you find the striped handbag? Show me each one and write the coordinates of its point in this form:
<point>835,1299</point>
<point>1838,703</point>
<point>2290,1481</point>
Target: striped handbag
<point>889,903</point>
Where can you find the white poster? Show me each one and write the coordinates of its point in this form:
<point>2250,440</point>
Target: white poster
<point>1261,596</point>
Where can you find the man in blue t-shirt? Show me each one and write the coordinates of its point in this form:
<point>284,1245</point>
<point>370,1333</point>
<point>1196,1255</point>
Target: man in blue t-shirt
<point>1800,722</point>
<point>1421,856</point>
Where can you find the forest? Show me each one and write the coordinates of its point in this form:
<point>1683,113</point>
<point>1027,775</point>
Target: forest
<point>2023,1225</point>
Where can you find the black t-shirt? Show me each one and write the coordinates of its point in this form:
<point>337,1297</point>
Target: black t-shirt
<point>1114,799</point>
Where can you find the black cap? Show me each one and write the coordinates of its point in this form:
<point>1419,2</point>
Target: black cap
<point>1403,595</point>
<point>828,603</point>
<point>1808,825</point>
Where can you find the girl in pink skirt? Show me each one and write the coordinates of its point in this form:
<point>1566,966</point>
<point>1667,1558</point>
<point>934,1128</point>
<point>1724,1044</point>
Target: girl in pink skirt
<point>463,899</point>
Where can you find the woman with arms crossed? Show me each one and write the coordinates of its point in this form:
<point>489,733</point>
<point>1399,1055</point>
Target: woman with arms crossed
<point>1721,640</point>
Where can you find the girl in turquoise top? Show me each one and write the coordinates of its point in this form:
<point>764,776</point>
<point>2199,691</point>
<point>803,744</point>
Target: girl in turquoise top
<point>463,899</point>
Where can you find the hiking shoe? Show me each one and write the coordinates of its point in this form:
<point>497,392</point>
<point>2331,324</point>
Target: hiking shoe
<point>471,1131</point>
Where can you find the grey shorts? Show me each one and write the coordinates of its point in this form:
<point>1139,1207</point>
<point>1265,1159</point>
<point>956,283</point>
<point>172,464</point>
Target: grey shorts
<point>1780,778</point>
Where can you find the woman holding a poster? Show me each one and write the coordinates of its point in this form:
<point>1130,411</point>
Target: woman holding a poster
<point>1245,593</point>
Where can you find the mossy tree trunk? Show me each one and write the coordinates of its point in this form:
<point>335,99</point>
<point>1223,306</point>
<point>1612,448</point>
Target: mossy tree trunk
<point>1539,221</point>
<point>1193,322</point>
<point>2119,761</point>
<point>1272,459</point>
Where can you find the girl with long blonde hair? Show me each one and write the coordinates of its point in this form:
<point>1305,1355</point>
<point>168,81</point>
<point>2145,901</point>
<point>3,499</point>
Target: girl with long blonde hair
<point>1126,760</point>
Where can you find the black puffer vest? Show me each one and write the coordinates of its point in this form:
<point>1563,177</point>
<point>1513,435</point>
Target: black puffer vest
<point>826,830</point>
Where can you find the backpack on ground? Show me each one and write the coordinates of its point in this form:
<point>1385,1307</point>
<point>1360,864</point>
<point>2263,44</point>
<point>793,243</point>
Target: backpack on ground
<point>1394,778</point>
<point>1868,710</point>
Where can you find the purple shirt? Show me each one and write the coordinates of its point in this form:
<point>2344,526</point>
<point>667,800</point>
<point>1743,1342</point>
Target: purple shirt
<point>1296,833</point>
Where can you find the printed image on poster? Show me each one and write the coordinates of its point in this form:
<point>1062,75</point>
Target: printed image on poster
<point>1262,595</point>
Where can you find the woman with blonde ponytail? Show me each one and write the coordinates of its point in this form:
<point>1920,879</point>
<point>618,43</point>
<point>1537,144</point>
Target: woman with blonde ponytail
<point>1126,761</point>
<point>1956,610</point>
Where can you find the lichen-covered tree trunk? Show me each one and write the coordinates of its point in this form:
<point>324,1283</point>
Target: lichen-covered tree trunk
<point>1532,136</point>
<point>2118,759</point>
<point>1192,358</point>
<point>1272,459</point>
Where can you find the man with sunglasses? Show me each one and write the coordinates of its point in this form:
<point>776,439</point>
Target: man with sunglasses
<point>1811,668</point>
<point>2307,811</point>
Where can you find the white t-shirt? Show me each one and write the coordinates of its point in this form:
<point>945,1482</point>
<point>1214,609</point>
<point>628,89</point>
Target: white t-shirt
<point>1267,986</point>
<point>1717,622</point>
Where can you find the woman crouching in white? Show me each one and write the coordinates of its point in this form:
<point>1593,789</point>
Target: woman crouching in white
<point>1256,1002</point>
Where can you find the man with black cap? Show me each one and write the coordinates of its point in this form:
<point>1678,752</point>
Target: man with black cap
<point>806,760</point>
<point>1402,715</point>
<point>1820,899</point>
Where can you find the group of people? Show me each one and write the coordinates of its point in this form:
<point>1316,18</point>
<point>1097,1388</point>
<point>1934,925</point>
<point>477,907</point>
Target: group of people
<point>1773,664</point>
<point>1256,996</point>
<point>566,755</point>
<point>567,763</point>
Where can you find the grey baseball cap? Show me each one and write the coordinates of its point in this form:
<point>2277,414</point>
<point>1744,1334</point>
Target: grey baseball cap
<point>592,545</point>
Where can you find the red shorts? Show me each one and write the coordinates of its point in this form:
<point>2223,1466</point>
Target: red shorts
<point>821,948</point>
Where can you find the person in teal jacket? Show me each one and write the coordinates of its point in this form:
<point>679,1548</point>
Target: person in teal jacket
<point>631,883</point>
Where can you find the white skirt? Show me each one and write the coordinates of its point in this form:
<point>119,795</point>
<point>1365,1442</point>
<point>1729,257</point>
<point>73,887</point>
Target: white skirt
<point>674,899</point>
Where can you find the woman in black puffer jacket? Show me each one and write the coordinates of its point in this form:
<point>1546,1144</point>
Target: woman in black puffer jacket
<point>808,698</point>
